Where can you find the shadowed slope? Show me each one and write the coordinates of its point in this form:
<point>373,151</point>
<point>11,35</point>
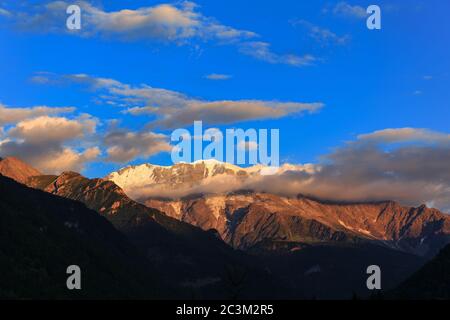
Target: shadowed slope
<point>41,235</point>
<point>432,281</point>
<point>199,261</point>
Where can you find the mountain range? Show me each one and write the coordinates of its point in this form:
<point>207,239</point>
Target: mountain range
<point>234,244</point>
<point>245,218</point>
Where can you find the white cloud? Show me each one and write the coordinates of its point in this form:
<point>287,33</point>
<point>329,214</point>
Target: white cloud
<point>354,11</point>
<point>180,23</point>
<point>230,111</point>
<point>322,35</point>
<point>45,141</point>
<point>405,135</point>
<point>165,21</point>
<point>414,169</point>
<point>176,22</point>
<point>66,160</point>
<point>46,129</point>
<point>5,13</point>
<point>124,146</point>
<point>10,115</point>
<point>56,144</point>
<point>172,109</point>
<point>261,51</point>
<point>217,76</point>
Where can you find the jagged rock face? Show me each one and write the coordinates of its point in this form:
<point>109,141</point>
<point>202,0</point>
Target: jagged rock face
<point>181,174</point>
<point>16,169</point>
<point>100,195</point>
<point>245,219</point>
<point>141,181</point>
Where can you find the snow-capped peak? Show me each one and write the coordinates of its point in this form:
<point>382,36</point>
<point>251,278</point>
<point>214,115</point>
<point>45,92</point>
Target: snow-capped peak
<point>189,175</point>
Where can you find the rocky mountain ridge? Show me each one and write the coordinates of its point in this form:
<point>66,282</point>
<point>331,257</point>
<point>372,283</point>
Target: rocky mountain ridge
<point>244,219</point>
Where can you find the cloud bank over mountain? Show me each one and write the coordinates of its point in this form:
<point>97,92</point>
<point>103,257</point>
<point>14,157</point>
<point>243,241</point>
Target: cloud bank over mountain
<point>408,165</point>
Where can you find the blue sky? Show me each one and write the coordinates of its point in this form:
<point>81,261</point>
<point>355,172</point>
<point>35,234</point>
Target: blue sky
<point>367,80</point>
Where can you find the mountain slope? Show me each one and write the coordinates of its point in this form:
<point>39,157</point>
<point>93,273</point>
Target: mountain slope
<point>432,281</point>
<point>195,259</point>
<point>337,271</point>
<point>41,235</point>
<point>17,169</point>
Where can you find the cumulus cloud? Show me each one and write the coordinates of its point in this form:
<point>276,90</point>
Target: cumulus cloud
<point>10,115</point>
<point>124,146</point>
<point>54,144</point>
<point>261,51</point>
<point>44,142</point>
<point>66,159</point>
<point>176,22</point>
<point>173,109</point>
<point>407,165</point>
<point>164,21</point>
<point>51,129</point>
